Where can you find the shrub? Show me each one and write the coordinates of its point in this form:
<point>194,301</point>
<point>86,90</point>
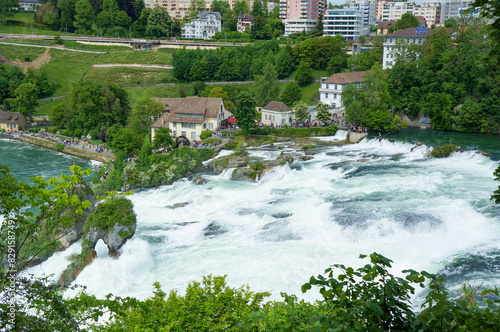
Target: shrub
<point>444,150</point>
<point>58,40</point>
<point>205,134</point>
<point>59,147</point>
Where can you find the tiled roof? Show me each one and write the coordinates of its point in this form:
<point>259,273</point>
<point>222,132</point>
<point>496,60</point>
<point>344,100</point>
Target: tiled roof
<point>346,78</point>
<point>204,15</point>
<point>10,117</point>
<point>246,17</point>
<point>277,106</point>
<point>420,19</point>
<point>385,24</point>
<point>410,32</point>
<point>207,107</point>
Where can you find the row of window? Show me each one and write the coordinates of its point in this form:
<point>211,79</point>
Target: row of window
<point>189,115</point>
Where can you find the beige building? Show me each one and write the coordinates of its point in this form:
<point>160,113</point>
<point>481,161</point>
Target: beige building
<point>276,113</point>
<point>190,116</point>
<point>178,9</point>
<point>431,11</point>
<point>12,121</point>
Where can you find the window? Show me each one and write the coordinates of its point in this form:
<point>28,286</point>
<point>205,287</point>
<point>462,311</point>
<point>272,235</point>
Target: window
<point>210,126</point>
<point>326,95</point>
<point>184,134</point>
<point>204,126</point>
<point>335,86</point>
<point>188,125</point>
<point>193,135</point>
<point>265,117</point>
<point>327,87</point>
<point>175,133</point>
<point>335,96</point>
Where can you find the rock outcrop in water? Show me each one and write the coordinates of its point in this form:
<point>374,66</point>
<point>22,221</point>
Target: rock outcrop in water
<point>112,221</point>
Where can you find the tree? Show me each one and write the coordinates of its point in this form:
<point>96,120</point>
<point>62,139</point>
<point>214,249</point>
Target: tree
<point>301,112</point>
<point>67,8</point>
<point>267,86</point>
<point>496,193</point>
<point>220,6</point>
<point>257,10</point>
<point>163,139</point>
<point>407,20</point>
<point>323,114</point>
<point>5,8</point>
<point>144,114</point>
<point>291,94</point>
<point>490,9</point>
<point>245,112</point>
<point>103,20</point>
<point>319,25</point>
<point>26,99</point>
<point>304,74</point>
<point>83,16</point>
<point>122,19</point>
<point>284,62</point>
<point>241,7</point>
<point>159,22</point>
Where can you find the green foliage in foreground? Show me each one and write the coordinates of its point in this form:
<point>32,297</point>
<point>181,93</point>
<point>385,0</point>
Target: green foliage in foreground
<point>443,151</point>
<point>496,193</point>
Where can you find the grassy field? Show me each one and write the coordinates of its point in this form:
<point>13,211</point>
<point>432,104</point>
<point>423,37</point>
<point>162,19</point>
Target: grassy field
<point>45,107</point>
<point>140,57</point>
<point>137,93</point>
<point>12,52</point>
<point>101,48</point>
<point>130,76</point>
<point>67,67</point>
<point>42,42</point>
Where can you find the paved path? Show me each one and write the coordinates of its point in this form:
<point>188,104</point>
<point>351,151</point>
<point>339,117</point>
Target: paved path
<point>56,47</point>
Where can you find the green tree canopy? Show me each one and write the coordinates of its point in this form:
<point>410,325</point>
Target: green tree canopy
<point>143,115</point>
<point>267,87</point>
<point>407,20</point>
<point>304,74</point>
<point>323,114</point>
<point>301,112</point>
<point>163,139</point>
<point>245,112</point>
<point>26,99</point>
<point>291,94</point>
<point>84,16</point>
<point>159,22</point>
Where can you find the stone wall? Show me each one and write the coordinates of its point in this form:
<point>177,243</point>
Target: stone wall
<point>67,149</point>
<point>355,137</point>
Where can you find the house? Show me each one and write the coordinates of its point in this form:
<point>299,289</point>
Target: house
<point>12,121</point>
<point>276,113</point>
<point>190,116</point>
<point>332,87</point>
<point>204,25</point>
<point>384,26</point>
<point>29,5</point>
<point>244,22</point>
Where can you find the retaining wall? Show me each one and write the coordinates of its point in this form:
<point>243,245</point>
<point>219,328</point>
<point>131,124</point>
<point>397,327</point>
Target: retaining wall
<point>355,137</point>
<point>67,149</point>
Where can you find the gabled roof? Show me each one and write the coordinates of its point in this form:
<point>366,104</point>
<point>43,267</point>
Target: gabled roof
<point>203,15</point>
<point>385,24</point>
<point>246,17</point>
<point>204,106</point>
<point>10,117</point>
<point>346,78</point>
<point>277,106</point>
<point>410,32</point>
<point>421,20</point>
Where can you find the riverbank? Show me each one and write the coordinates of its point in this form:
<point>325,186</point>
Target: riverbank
<point>78,151</point>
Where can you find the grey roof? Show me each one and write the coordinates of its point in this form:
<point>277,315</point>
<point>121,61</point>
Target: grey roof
<point>204,15</point>
<point>10,117</point>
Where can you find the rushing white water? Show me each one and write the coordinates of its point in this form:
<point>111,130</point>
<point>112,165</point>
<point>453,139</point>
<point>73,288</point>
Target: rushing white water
<point>389,197</point>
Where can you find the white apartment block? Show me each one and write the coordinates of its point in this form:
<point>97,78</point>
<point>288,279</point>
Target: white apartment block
<point>380,8</point>
<point>409,35</point>
<point>204,25</point>
<point>330,92</point>
<point>367,8</point>
<point>451,8</point>
<point>431,11</point>
<point>394,10</point>
<point>298,25</point>
<point>345,22</point>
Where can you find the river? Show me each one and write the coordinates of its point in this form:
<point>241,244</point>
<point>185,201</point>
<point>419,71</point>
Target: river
<point>384,196</point>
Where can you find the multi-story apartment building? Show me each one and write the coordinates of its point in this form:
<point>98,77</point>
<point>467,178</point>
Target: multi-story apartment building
<point>394,10</point>
<point>367,8</point>
<point>179,9</point>
<point>330,92</point>
<point>301,9</point>
<point>380,8</point>
<point>431,11</point>
<point>204,25</point>
<point>345,22</point>
<point>409,35</point>
<point>451,8</point>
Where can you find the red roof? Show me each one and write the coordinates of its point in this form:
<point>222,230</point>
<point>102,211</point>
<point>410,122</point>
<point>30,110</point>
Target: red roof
<point>346,78</point>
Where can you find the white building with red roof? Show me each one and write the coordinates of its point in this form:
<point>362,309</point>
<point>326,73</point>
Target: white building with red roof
<point>330,92</point>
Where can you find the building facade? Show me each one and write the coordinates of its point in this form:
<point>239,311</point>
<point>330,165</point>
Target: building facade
<point>298,25</point>
<point>301,9</point>
<point>179,9</point>
<point>203,26</point>
<point>394,10</point>
<point>345,22</point>
<point>409,35</point>
<point>368,10</point>
<point>190,116</point>
<point>452,8</point>
<point>431,11</point>
<point>28,5</point>
<point>12,121</point>
<point>244,22</point>
<point>276,113</point>
<point>332,87</point>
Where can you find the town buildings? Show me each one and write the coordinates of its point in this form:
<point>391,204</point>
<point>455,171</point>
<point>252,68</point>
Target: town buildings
<point>276,113</point>
<point>431,11</point>
<point>300,15</point>
<point>345,22</point>
<point>28,5</point>
<point>190,116</point>
<point>12,121</point>
<point>204,25</point>
<point>452,8</point>
<point>332,87</point>
<point>244,22</point>
<point>409,35</point>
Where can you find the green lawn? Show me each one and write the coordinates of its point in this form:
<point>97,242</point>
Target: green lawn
<point>42,42</point>
<point>140,57</point>
<point>101,48</point>
<point>26,17</point>
<point>137,93</point>
<point>66,67</point>
<point>130,76</point>
<point>45,107</point>
<point>12,52</point>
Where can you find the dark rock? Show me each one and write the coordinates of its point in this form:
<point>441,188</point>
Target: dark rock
<point>213,229</point>
<point>178,205</point>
